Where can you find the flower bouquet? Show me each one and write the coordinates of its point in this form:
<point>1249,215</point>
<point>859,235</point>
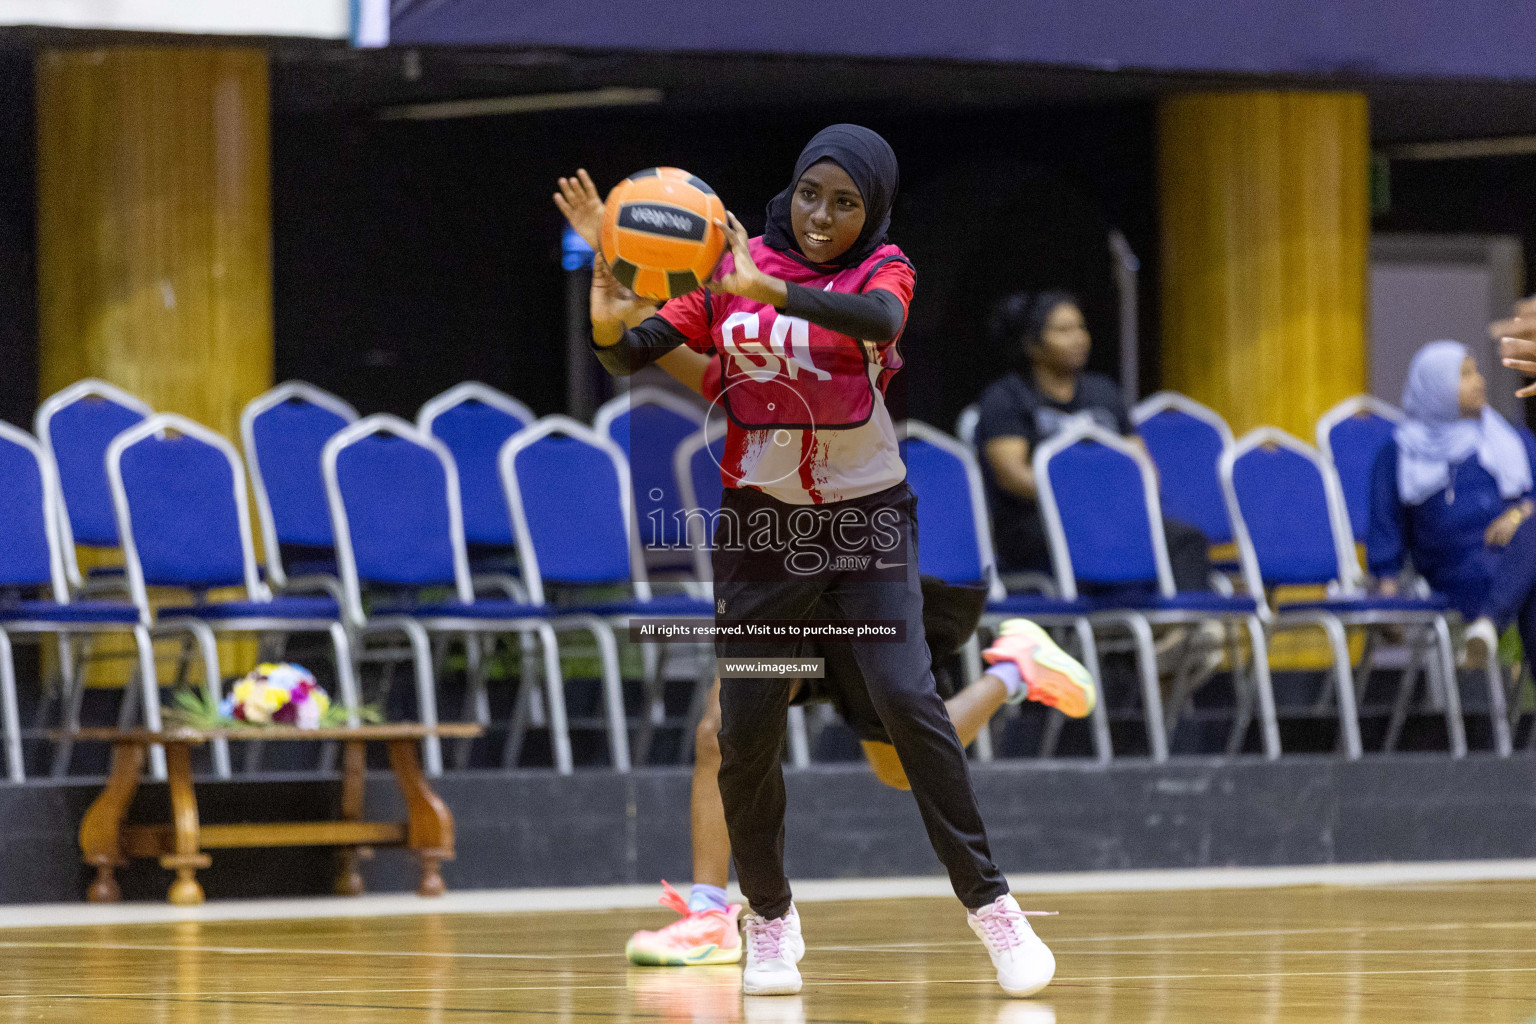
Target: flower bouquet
<point>280,694</point>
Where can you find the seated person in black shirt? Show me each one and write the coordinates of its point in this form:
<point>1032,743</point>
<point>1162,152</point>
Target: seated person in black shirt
<point>1029,405</point>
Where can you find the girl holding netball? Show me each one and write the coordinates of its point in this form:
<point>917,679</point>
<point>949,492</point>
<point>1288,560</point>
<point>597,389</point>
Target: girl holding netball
<point>804,322</point>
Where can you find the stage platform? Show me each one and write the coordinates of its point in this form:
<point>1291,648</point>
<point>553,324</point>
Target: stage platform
<point>597,828</point>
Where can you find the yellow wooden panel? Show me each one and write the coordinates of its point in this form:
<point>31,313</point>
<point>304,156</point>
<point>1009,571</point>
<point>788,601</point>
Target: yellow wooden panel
<point>154,228</point>
<point>1265,228</point>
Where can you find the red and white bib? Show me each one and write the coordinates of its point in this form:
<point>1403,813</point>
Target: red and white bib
<point>805,406</point>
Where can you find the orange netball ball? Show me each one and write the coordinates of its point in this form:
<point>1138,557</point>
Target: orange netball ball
<point>661,233</point>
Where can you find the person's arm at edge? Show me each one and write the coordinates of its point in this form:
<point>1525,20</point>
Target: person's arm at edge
<point>1008,457</point>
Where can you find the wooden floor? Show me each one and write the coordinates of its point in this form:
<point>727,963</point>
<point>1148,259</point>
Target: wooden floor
<point>1442,953</point>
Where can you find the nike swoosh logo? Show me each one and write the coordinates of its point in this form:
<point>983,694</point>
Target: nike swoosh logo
<point>882,564</point>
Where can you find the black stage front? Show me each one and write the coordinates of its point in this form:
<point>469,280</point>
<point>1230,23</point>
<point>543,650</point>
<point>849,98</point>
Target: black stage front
<point>599,828</point>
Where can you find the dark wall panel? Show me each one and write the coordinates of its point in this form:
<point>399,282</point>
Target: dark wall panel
<point>18,243</point>
<point>1495,196</point>
<point>1472,39</point>
<point>413,255</point>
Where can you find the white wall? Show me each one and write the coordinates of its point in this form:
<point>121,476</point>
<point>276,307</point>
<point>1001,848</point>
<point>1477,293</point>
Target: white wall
<point>327,19</point>
<point>1427,287</point>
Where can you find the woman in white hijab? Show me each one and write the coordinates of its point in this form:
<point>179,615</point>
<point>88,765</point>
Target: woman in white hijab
<point>1453,492</point>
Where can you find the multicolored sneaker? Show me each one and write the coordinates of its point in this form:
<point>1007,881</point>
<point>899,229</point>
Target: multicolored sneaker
<point>698,937</point>
<point>1055,678</point>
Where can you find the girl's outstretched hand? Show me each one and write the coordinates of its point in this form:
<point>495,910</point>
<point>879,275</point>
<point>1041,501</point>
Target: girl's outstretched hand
<point>582,206</point>
<point>745,279</point>
<point>610,300</point>
<point>614,307</point>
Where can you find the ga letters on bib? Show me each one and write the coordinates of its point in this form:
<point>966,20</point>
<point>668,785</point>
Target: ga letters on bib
<point>778,376</point>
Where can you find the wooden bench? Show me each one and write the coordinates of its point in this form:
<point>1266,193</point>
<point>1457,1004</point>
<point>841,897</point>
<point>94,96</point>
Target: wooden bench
<point>107,843</point>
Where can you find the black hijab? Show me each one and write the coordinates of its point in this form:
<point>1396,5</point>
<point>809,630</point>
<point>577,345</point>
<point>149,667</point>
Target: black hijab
<point>871,164</point>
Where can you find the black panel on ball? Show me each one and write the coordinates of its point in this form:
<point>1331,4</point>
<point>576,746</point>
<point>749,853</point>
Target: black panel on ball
<point>625,272</point>
<point>681,282</point>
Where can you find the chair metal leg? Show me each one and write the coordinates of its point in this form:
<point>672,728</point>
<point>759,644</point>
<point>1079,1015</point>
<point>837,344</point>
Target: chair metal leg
<point>1367,665</point>
<point>71,697</point>
<point>1405,691</point>
<point>1245,687</point>
<point>387,681</point>
<point>346,672</point>
<point>1455,724</point>
<point>696,702</point>
<point>554,689</point>
<point>214,681</point>
<point>477,703</point>
<point>652,704</point>
<point>151,687</point>
<point>11,713</point>
<point>346,688</point>
<point>613,693</point>
<point>531,648</point>
<point>1151,695</point>
<point>1103,748</point>
<point>128,706</point>
<point>426,694</point>
<point>253,752</point>
<point>1051,734</point>
<point>1263,684</point>
<point>517,724</point>
<point>798,737</point>
<point>1349,719</point>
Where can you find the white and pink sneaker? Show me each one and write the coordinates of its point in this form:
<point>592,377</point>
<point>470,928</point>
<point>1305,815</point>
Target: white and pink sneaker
<point>1024,964</point>
<point>773,947</point>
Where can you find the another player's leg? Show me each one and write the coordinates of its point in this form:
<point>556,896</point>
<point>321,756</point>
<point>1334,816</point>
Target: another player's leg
<point>970,710</point>
<point>973,707</point>
<point>1033,667</point>
<point>707,930</point>
<point>711,841</point>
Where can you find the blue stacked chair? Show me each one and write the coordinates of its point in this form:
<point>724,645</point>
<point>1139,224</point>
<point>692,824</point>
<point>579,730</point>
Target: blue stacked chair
<point>1099,502</point>
<point>1350,436</point>
<point>75,426</point>
<point>474,420</point>
<point>31,560</point>
<point>393,491</point>
<point>573,513</point>
<point>696,469</point>
<point>284,432</point>
<point>1186,441</point>
<point>179,492</point>
<point>1287,508</point>
<point>648,424</point>
<point>955,544</point>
